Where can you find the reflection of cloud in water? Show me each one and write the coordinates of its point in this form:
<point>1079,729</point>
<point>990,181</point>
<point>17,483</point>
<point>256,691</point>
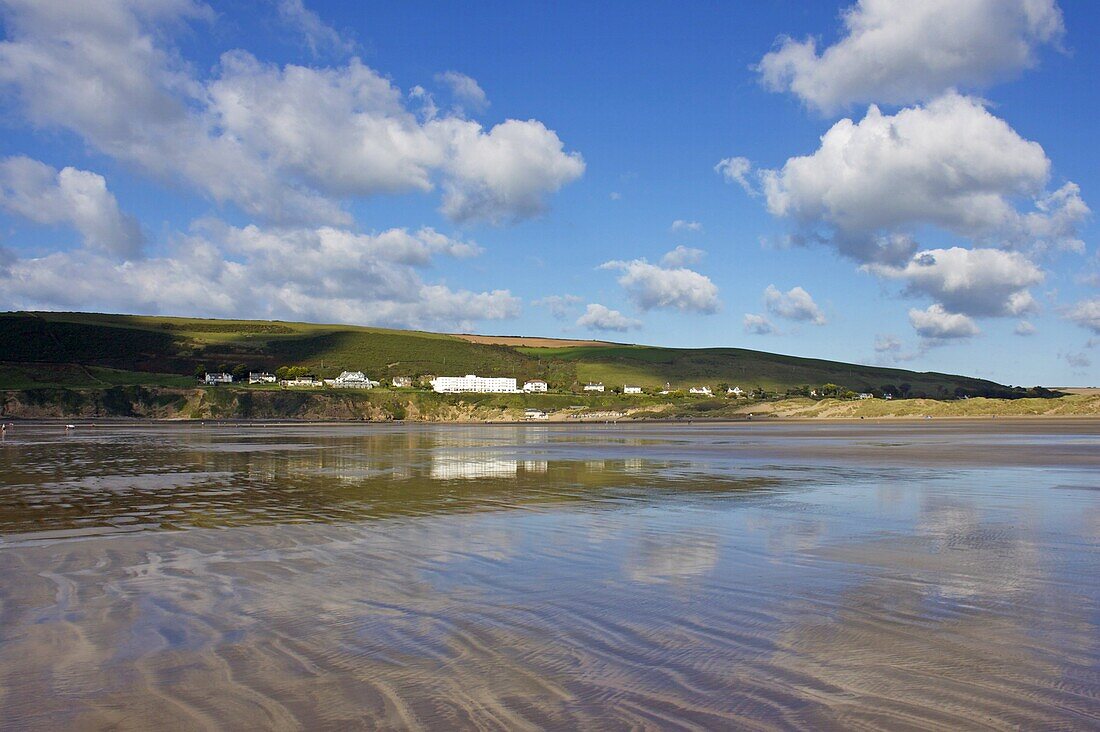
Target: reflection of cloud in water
<point>972,558</point>
<point>668,557</point>
<point>878,659</point>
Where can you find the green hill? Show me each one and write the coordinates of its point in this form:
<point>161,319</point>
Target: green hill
<point>87,350</point>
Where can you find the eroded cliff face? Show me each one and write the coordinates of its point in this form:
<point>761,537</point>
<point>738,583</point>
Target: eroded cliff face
<point>380,405</point>
<point>166,403</point>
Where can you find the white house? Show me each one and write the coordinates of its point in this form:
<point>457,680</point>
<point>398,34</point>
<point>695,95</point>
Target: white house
<point>261,378</point>
<point>632,389</point>
<point>214,379</point>
<point>598,386</point>
<point>736,391</point>
<point>534,385</point>
<point>535,414</point>
<point>402,382</point>
<point>475,384</point>
<point>865,395</point>
<point>701,390</point>
<point>351,380</point>
<point>301,381</point>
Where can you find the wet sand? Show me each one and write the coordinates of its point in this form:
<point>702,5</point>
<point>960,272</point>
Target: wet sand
<point>889,576</point>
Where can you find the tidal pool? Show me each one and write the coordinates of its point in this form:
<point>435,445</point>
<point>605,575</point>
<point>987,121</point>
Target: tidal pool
<point>885,575</point>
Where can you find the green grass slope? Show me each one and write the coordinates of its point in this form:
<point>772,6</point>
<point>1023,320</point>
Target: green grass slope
<point>89,350</point>
<point>654,367</point>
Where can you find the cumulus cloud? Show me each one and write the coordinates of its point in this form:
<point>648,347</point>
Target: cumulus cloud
<point>949,164</point>
<point>654,287</point>
<point>78,198</point>
<point>320,37</point>
<point>736,170</point>
<point>322,274</point>
<point>794,304</point>
<point>282,143</point>
<point>757,324</point>
<point>1086,314</point>
<point>601,317</point>
<point>559,306</point>
<point>682,256</point>
<point>936,324</point>
<point>504,174</point>
<point>465,90</point>
<point>898,51</point>
<point>1024,328</point>
<point>680,225</point>
<point>981,282</point>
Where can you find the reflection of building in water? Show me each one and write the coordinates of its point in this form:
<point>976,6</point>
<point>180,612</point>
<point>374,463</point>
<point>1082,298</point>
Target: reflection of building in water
<point>471,465</point>
<point>535,466</point>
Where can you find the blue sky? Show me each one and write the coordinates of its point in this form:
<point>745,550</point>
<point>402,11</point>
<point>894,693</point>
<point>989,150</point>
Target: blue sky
<point>885,182</point>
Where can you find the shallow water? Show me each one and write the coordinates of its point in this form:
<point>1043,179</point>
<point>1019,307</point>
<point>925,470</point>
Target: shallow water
<point>873,575</point>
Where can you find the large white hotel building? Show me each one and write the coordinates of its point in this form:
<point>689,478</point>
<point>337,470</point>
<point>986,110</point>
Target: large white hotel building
<point>471,383</point>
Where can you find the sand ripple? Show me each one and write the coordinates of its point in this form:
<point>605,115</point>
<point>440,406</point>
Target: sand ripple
<point>697,579</point>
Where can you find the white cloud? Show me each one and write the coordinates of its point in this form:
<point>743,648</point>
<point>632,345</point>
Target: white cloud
<point>282,143</point>
<point>890,350</point>
<point>736,170</point>
<point>78,198</point>
<point>757,324</point>
<point>651,286</point>
<point>323,274</point>
<point>949,164</point>
<point>465,90</point>
<point>600,317</point>
<point>615,196</point>
<point>1054,222</point>
<point>795,304</point>
<point>1086,314</point>
<point>682,256</point>
<point>319,36</point>
<point>887,344</point>
<point>680,225</point>
<point>900,51</point>
<point>983,282</point>
<point>1024,328</point>
<point>559,306</point>
<point>936,324</point>
<point>506,173</point>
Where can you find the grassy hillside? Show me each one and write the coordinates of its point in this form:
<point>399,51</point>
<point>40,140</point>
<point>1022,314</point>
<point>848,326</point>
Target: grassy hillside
<point>86,350</point>
<point>681,368</point>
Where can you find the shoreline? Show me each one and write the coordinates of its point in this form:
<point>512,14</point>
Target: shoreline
<point>762,419</point>
<point>383,405</point>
